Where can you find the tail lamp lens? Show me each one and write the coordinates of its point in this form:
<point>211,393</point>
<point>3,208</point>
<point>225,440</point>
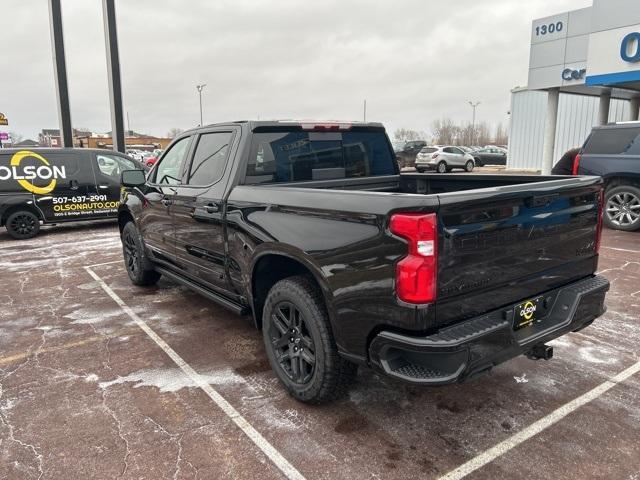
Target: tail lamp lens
<point>416,273</point>
<point>599,225</point>
<point>576,165</point>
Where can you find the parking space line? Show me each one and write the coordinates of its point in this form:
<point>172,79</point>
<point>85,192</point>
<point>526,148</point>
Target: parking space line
<point>262,443</point>
<point>621,249</point>
<point>538,426</point>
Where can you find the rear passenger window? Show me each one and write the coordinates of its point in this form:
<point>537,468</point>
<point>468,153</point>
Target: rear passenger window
<point>614,141</point>
<point>210,158</point>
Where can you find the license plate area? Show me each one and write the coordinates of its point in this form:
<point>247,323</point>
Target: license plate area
<point>528,313</point>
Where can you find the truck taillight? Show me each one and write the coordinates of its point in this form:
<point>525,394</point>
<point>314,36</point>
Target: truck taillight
<point>599,224</point>
<point>416,273</point>
<point>576,165</point>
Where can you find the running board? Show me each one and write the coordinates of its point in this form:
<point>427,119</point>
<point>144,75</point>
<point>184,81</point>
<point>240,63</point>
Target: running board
<point>205,292</point>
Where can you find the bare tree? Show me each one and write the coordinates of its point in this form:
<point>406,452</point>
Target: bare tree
<point>406,134</point>
<point>502,136</point>
<point>15,137</point>
<point>445,132</point>
<point>174,132</point>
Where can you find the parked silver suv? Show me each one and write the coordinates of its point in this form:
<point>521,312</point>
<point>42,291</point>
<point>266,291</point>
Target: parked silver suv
<point>443,158</point>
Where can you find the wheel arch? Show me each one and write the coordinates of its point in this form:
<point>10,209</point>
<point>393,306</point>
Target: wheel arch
<point>19,207</point>
<point>124,217</point>
<point>270,267</point>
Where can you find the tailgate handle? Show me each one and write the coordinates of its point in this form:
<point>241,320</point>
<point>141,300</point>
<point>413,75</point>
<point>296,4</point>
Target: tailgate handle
<point>542,200</point>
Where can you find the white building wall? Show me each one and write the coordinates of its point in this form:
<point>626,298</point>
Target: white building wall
<point>577,114</point>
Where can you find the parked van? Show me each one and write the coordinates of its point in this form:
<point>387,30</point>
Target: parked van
<point>55,185</point>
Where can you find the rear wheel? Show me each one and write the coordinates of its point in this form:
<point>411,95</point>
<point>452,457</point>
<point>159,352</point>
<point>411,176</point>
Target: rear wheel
<point>622,208</point>
<point>479,162</point>
<point>139,267</point>
<point>442,167</point>
<point>300,345</point>
<point>23,224</point>
<point>469,166</point>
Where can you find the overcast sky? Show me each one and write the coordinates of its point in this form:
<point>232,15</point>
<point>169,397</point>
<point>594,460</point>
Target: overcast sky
<point>414,61</point>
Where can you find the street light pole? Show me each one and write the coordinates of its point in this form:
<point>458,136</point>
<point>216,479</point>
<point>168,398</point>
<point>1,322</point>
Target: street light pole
<point>473,121</point>
<point>200,87</point>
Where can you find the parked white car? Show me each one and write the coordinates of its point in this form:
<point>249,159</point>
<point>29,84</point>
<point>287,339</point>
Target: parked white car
<point>444,158</point>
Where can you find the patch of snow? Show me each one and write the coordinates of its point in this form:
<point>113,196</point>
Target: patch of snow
<point>522,379</point>
<point>89,316</point>
<point>173,379</point>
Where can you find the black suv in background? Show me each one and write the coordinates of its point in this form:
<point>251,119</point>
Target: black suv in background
<point>407,156</point>
<point>613,152</point>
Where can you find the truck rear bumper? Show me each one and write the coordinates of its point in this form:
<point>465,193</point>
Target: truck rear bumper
<point>474,346</point>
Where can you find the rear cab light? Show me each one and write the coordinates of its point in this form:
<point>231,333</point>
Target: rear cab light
<point>416,273</point>
<point>326,126</point>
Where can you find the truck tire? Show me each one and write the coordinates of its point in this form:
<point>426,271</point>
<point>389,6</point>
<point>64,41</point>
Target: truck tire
<point>23,224</point>
<point>300,345</point>
<point>622,208</point>
<point>138,265</point>
<point>442,167</point>
<point>469,166</point>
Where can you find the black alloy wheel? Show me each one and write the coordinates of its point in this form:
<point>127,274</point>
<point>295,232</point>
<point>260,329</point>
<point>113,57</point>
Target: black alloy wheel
<point>130,252</point>
<point>139,268</point>
<point>292,342</point>
<point>23,224</point>
<point>299,342</point>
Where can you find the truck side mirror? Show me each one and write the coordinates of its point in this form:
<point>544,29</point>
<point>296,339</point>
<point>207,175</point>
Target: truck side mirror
<point>132,178</point>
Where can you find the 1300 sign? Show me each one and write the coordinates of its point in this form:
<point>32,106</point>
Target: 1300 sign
<point>549,28</point>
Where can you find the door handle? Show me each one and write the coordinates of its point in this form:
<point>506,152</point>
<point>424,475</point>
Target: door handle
<point>73,185</point>
<point>103,187</point>
<point>211,208</point>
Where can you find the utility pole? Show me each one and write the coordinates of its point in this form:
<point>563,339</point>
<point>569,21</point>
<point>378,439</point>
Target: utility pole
<point>113,71</point>
<point>364,116</point>
<point>473,121</point>
<point>200,87</point>
<point>60,73</point>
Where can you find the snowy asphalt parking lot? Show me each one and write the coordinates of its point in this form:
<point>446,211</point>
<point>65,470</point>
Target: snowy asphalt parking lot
<point>100,379</point>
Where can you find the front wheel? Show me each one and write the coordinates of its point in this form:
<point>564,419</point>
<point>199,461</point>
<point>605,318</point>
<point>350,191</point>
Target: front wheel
<point>300,345</point>
<point>442,167</point>
<point>622,208</point>
<point>139,267</point>
<point>469,166</point>
<point>23,224</point>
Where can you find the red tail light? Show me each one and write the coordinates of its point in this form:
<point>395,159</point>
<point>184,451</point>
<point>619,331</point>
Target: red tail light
<point>435,155</point>
<point>599,225</point>
<point>576,165</point>
<point>416,273</point>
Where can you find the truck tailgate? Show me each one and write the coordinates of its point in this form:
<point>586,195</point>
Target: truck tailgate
<point>503,245</point>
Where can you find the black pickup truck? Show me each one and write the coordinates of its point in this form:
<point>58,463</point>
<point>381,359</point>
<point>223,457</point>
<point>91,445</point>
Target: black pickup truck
<point>311,230</point>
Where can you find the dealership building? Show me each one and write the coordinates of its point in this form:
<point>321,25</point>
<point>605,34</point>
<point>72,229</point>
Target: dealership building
<point>584,70</point>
